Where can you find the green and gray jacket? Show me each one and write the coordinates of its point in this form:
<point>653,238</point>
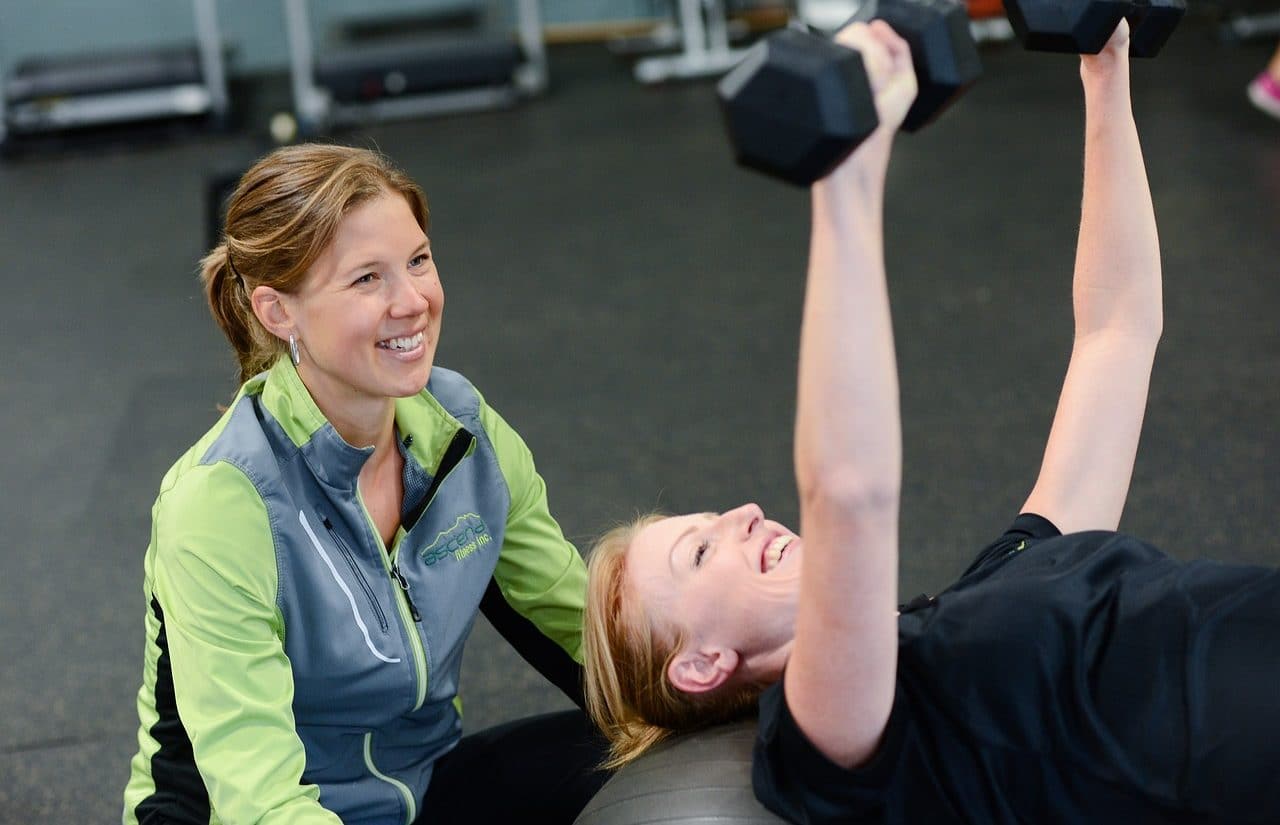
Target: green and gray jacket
<point>296,669</point>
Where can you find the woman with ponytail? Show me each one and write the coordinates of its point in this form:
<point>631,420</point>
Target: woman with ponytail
<point>318,557</point>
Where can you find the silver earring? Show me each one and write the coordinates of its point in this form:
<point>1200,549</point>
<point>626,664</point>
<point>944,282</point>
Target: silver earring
<point>293,350</point>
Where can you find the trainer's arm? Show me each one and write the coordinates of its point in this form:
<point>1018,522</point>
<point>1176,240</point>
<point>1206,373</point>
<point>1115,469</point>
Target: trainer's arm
<point>848,454</point>
<point>1088,461</point>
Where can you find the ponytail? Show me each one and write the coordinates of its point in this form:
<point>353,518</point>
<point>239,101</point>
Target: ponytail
<point>228,297</point>
<point>281,217</point>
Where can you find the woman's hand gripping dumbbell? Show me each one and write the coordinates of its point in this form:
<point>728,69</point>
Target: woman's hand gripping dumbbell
<point>799,103</point>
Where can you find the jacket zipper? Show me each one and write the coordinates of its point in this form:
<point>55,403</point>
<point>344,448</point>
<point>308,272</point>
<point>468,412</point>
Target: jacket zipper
<point>404,585</point>
<point>403,607</point>
<point>409,614</point>
<point>355,570</point>
<point>453,455</point>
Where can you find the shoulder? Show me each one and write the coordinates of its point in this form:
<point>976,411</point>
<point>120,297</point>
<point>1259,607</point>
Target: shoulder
<point>454,391</point>
<point>222,473</point>
<point>210,522</point>
<point>222,488</point>
<point>461,399</point>
<point>793,778</point>
<point>1026,530</point>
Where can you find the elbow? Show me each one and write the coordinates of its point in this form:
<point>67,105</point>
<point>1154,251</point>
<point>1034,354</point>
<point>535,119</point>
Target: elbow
<point>1126,301</point>
<point>852,492</point>
<point>1151,322</point>
<point>1142,330</point>
<point>1148,329</point>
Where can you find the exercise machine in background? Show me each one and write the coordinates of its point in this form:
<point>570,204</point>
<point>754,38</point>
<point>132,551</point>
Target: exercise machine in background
<point>987,20</point>
<point>1252,24</point>
<point>45,97</point>
<point>703,33</point>
<point>453,72</point>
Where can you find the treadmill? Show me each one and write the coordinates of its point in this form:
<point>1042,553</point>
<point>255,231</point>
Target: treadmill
<point>46,96</point>
<point>371,83</point>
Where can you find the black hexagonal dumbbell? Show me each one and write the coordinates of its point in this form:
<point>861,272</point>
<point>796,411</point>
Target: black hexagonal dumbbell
<point>799,103</point>
<point>1084,26</point>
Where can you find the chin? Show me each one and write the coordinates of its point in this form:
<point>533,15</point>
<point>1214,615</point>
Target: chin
<point>407,389</point>
<point>410,382</point>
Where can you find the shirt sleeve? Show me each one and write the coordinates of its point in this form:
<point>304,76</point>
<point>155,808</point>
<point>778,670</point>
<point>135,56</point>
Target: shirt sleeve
<point>540,574</point>
<point>1026,530</point>
<point>795,780</point>
<point>214,580</point>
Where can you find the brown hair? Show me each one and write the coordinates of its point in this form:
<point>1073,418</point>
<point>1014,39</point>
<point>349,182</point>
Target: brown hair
<point>626,656</point>
<point>280,218</point>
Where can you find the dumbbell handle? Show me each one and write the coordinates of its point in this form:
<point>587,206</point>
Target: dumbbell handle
<point>909,21</point>
<point>906,19</point>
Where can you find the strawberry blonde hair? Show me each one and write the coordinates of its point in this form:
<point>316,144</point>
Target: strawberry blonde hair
<point>626,654</point>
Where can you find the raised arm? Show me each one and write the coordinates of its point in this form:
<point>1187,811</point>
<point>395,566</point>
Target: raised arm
<point>1088,461</point>
<point>848,454</point>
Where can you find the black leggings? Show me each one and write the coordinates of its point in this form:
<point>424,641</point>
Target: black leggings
<point>536,770</point>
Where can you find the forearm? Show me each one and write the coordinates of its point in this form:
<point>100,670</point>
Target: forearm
<point>1117,273</point>
<point>1089,458</point>
<point>840,676</point>
<point>847,417</point>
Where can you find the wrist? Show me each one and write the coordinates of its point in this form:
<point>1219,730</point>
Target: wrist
<point>1106,87</point>
<point>852,195</point>
<point>1105,71</point>
<point>863,171</point>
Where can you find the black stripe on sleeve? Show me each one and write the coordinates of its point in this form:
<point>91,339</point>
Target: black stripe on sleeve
<point>180,795</point>
<point>547,657</point>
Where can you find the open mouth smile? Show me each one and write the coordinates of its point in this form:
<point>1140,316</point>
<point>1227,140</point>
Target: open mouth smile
<point>403,345</point>
<point>773,552</point>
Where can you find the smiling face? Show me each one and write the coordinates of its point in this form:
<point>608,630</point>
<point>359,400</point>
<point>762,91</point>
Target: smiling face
<point>730,583</point>
<point>368,315</point>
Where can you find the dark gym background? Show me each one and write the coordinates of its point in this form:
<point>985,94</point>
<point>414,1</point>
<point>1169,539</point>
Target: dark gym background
<point>630,301</point>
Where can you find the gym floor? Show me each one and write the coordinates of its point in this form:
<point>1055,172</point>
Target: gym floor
<point>630,301</point>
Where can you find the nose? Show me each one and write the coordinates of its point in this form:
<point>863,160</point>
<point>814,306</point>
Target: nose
<point>407,299</point>
<point>741,521</point>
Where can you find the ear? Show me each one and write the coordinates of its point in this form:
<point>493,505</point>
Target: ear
<point>272,309</point>
<point>698,671</point>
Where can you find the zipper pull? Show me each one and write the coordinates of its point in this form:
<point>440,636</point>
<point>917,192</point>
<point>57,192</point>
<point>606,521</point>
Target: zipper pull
<point>404,585</point>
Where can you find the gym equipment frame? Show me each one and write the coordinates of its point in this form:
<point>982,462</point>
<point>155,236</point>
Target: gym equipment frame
<point>44,96</point>
<point>375,84</point>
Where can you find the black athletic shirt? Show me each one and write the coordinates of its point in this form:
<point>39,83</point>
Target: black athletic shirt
<point>1084,678</point>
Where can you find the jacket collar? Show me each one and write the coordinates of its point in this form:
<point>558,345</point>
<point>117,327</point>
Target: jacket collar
<point>421,421</point>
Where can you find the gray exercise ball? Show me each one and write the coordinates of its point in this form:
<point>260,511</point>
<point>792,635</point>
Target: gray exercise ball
<point>698,779</point>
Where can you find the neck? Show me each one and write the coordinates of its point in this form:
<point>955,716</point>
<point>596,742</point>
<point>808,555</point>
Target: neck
<point>361,420</point>
<point>766,668</point>
<point>385,463</point>
<point>372,427</point>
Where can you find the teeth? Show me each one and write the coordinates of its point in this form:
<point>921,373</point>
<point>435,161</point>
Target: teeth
<point>773,553</point>
<point>402,343</point>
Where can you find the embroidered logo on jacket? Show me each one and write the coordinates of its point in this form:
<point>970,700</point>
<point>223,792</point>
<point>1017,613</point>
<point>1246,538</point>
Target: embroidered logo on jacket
<point>467,535</point>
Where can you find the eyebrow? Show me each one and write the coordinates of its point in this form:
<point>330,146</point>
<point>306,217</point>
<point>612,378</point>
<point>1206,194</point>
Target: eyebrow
<point>671,556</point>
<point>426,244</point>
